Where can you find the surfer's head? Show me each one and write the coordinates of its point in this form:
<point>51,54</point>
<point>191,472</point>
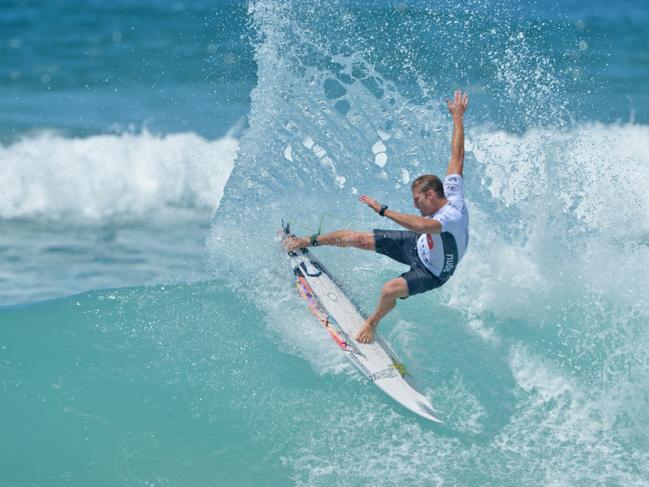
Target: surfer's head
<point>428,194</point>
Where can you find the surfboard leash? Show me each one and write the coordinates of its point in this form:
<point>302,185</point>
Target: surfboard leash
<point>286,225</point>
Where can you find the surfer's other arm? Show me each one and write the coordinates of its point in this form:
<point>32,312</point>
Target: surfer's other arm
<point>414,223</point>
<point>457,107</point>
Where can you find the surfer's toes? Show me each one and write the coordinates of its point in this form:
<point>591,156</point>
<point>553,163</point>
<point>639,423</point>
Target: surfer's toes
<point>365,334</point>
<point>294,243</point>
<point>289,243</point>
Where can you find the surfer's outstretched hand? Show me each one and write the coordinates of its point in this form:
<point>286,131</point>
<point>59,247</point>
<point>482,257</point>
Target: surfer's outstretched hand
<point>371,202</point>
<point>365,334</point>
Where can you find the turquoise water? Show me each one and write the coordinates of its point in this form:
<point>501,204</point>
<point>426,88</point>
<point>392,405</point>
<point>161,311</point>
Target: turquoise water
<point>150,332</point>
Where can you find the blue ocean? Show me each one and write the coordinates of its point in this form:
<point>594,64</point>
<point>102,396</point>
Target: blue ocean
<point>150,329</point>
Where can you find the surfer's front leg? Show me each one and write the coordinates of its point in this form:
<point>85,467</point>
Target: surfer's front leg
<point>348,238</point>
<point>393,289</point>
<point>339,238</point>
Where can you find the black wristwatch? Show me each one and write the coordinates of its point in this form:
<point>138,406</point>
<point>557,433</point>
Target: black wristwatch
<point>314,240</point>
<point>382,210</point>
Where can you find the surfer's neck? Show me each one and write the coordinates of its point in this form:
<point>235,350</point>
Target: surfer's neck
<point>438,206</point>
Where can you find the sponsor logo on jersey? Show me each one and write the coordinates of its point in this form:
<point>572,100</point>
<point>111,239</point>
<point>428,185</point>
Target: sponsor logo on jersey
<point>429,240</point>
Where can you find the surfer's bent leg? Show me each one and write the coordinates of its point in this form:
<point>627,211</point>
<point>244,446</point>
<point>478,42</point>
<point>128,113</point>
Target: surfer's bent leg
<point>393,289</point>
<point>339,238</point>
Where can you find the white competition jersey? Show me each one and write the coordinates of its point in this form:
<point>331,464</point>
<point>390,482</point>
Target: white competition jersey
<point>441,253</point>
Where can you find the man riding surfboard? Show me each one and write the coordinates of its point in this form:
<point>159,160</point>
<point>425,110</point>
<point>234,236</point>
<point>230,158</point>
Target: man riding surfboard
<point>432,244</point>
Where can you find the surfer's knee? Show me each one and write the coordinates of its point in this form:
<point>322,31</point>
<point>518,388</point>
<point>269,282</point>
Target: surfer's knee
<point>395,288</point>
<point>361,240</point>
<point>364,240</point>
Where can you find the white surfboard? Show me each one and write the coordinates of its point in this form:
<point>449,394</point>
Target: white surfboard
<point>342,319</point>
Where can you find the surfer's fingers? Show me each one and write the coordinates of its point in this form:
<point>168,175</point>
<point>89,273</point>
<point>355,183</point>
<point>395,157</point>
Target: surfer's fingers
<point>367,200</point>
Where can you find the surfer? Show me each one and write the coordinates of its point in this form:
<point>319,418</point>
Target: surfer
<point>432,244</point>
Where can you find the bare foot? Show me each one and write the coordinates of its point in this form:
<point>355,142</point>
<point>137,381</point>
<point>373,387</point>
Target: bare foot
<point>294,243</point>
<point>366,333</point>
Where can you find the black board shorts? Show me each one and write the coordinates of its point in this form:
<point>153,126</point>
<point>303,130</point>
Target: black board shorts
<point>401,245</point>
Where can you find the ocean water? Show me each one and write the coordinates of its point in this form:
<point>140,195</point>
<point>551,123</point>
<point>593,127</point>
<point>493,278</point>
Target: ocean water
<point>150,333</point>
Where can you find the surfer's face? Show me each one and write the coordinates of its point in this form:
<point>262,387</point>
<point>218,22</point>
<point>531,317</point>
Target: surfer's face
<point>425,202</point>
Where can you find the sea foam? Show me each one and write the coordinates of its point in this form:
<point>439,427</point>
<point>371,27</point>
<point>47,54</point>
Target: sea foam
<point>49,176</point>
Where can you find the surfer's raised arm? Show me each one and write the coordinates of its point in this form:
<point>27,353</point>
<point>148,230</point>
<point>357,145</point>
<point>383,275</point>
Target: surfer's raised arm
<point>457,107</point>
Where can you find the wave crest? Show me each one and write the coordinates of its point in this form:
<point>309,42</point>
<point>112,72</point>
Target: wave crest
<point>49,176</point>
